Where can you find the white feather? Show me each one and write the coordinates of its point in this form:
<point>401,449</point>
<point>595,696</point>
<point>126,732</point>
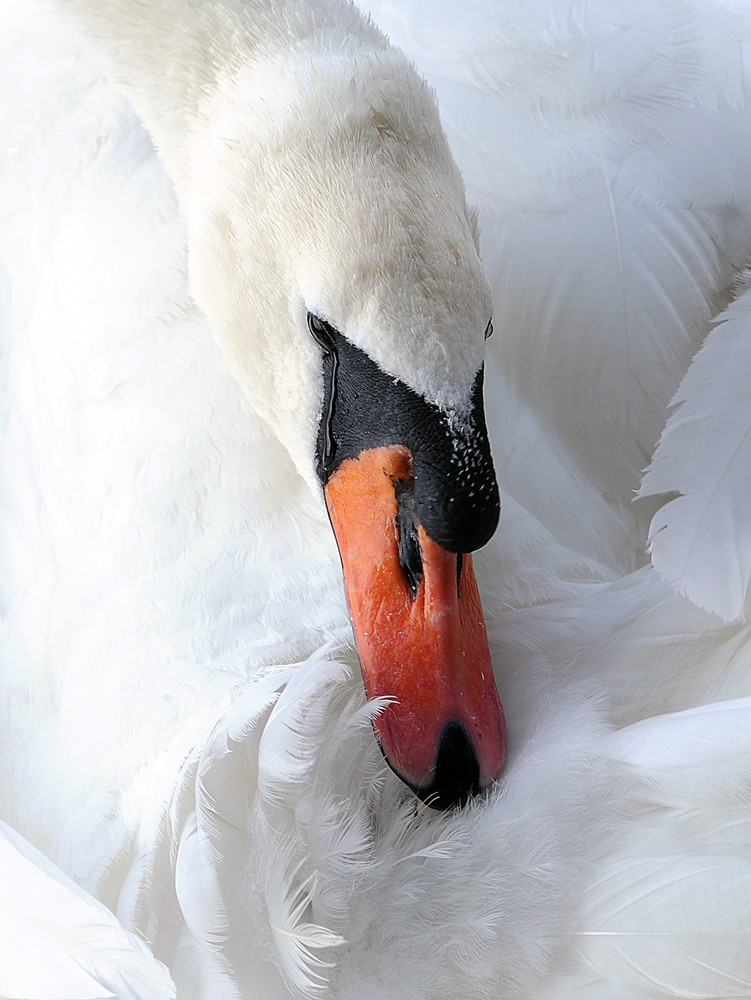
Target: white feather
<point>647,951</point>
<point>700,540</point>
<point>670,914</point>
<point>59,943</point>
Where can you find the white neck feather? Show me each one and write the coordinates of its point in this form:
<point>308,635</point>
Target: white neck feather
<point>172,58</point>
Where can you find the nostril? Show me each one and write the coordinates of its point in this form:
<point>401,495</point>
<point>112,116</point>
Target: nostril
<point>408,542</point>
<point>457,771</point>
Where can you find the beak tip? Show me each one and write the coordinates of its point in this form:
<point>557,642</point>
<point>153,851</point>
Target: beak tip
<point>456,776</point>
<point>457,770</point>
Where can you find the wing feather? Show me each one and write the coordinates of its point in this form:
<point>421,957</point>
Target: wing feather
<point>700,540</point>
<point>58,943</point>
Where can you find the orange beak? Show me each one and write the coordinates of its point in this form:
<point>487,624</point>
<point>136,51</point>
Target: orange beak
<point>419,630</point>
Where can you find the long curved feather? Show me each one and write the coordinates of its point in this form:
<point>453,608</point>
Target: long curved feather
<point>700,540</point>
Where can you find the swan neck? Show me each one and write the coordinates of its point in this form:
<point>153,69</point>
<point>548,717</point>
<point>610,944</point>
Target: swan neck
<point>173,59</point>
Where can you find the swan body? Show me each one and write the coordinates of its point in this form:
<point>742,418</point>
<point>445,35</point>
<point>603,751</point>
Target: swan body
<point>184,730</point>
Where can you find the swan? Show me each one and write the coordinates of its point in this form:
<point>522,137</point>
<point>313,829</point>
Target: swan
<point>193,801</point>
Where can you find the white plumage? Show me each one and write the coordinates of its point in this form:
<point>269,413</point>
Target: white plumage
<point>184,732</point>
<point>699,539</point>
<point>59,941</point>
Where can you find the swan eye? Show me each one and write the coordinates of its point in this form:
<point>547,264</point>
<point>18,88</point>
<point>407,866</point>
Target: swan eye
<point>322,332</point>
<point>489,329</point>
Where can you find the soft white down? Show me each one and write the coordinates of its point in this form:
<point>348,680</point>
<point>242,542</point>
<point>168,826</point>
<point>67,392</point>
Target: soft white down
<point>192,798</point>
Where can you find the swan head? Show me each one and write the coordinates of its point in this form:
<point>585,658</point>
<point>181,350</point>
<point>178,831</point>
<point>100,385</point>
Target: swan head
<point>334,254</point>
